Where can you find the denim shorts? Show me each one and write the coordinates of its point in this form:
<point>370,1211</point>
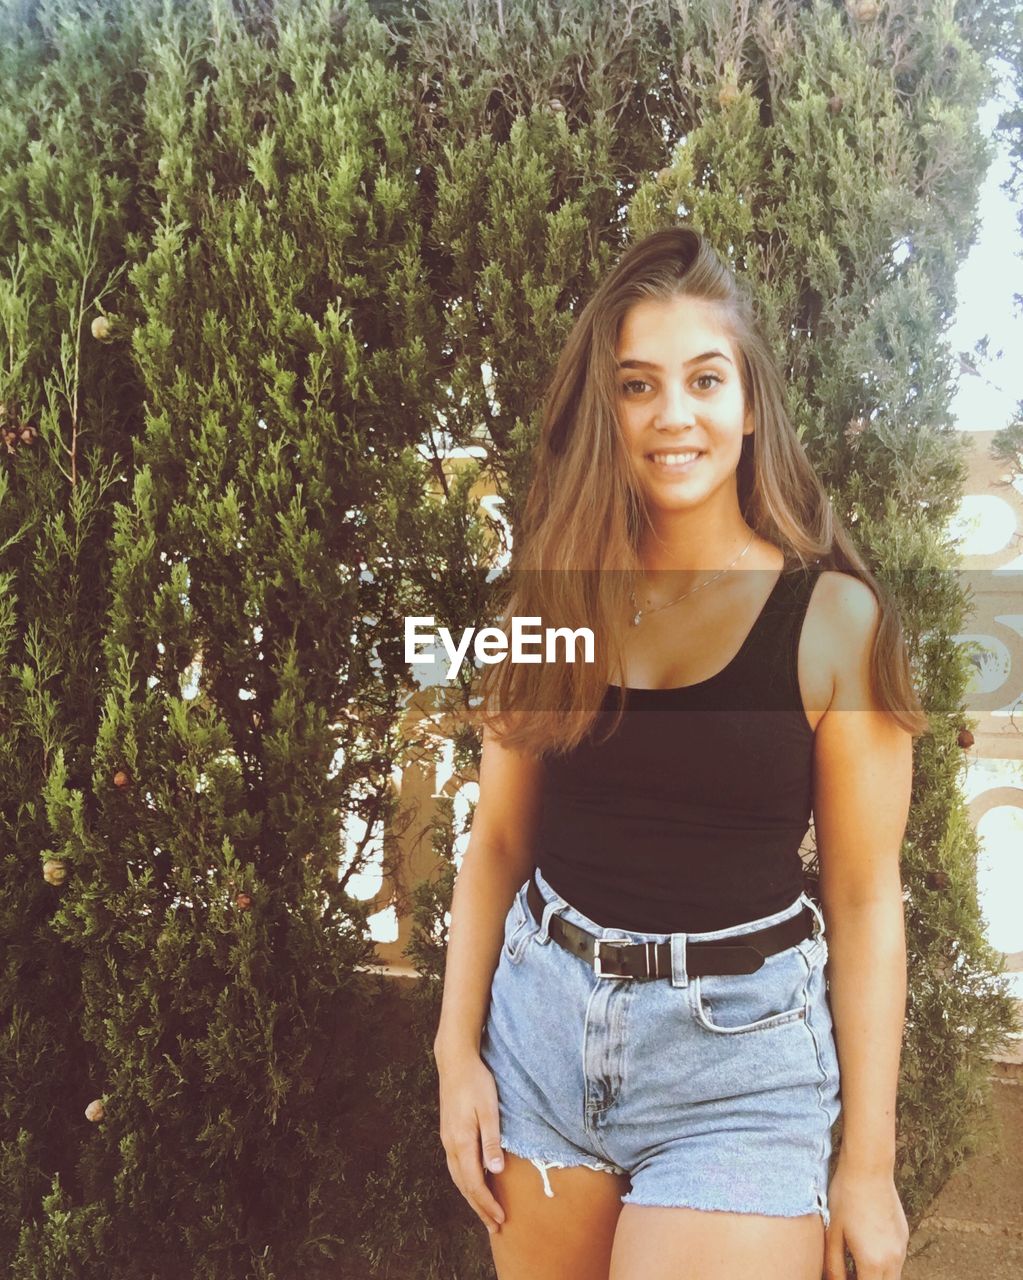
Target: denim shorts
<point>713,1092</point>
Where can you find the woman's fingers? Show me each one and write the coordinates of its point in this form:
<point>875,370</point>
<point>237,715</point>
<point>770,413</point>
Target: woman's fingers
<point>493,1156</point>
<point>834,1255</point>
<point>467,1172</point>
<point>470,1120</point>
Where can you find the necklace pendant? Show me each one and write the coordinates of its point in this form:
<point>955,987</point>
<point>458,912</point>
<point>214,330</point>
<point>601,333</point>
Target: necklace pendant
<point>635,620</point>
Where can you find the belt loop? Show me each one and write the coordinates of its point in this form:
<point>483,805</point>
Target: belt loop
<point>550,909</point>
<point>679,977</point>
<point>819,930</point>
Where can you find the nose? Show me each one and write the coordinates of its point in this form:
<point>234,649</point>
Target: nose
<point>675,408</point>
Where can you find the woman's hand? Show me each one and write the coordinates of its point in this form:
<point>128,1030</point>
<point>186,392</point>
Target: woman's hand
<point>868,1220</point>
<point>469,1121</point>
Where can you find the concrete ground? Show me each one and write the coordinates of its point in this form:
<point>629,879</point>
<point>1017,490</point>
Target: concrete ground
<point>973,1230</point>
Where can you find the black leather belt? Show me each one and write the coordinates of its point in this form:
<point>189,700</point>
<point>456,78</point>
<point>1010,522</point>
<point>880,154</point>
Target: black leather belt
<point>611,958</point>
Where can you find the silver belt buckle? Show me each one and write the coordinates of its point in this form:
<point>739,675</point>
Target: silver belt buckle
<point>609,942</point>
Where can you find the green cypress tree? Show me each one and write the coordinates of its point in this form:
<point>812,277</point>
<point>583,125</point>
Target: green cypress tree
<point>247,678</point>
<point>69,396</point>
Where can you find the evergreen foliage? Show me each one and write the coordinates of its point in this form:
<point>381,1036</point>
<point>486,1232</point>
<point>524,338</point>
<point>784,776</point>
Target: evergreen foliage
<point>253,258</point>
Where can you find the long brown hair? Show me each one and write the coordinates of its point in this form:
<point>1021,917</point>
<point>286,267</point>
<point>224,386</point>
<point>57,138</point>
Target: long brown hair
<point>575,558</point>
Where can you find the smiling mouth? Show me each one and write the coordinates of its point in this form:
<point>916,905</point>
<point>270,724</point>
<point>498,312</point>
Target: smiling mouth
<point>678,460</point>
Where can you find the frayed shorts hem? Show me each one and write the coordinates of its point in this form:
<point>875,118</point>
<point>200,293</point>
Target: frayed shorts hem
<point>545,1162</point>
<point>551,1161</point>
<point>759,1210</point>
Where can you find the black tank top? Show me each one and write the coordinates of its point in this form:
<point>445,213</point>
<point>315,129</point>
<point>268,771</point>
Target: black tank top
<point>691,816</point>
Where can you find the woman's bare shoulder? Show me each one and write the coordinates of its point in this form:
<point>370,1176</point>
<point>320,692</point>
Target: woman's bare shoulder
<point>848,612</point>
<point>850,599</point>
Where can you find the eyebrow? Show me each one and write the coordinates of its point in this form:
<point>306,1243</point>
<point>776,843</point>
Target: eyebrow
<point>645,364</point>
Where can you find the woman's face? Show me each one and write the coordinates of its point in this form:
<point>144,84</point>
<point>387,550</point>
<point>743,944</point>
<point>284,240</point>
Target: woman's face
<point>674,398</point>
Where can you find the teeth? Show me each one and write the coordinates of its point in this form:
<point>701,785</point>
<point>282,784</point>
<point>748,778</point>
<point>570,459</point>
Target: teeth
<point>674,459</point>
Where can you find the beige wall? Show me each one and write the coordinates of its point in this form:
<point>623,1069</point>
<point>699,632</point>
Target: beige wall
<point>994,776</point>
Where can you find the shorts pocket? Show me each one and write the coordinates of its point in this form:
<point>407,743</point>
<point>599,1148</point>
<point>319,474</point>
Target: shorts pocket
<point>519,927</point>
<point>738,1003</point>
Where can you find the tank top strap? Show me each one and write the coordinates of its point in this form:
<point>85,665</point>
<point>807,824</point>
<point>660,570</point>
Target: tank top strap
<point>772,658</point>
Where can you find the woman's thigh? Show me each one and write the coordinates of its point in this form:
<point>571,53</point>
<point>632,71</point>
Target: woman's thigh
<point>654,1243</point>
<point>566,1236</point>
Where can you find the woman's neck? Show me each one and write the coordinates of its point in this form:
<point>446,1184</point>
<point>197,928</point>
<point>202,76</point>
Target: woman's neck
<point>697,555</point>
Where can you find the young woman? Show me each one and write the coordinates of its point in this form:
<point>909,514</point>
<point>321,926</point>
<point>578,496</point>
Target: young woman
<point>649,1025</point>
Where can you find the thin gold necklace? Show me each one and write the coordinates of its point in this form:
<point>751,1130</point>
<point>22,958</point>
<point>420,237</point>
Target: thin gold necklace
<point>668,603</point>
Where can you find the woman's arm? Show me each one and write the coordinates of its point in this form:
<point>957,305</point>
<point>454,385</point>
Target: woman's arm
<point>863,764</point>
<point>498,858</point>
